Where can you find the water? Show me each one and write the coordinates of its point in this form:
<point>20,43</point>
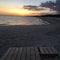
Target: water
<point>16,20</point>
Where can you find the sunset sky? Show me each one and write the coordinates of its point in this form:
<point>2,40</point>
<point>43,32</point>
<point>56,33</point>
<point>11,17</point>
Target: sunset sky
<point>24,7</point>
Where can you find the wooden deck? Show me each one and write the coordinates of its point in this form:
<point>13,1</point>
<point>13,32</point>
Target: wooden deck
<point>26,53</point>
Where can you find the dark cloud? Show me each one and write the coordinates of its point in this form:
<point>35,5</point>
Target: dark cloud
<point>57,5</point>
<point>36,8</point>
<point>52,5</point>
<point>48,4</point>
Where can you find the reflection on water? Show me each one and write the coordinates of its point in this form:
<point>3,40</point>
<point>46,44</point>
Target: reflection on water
<point>14,20</point>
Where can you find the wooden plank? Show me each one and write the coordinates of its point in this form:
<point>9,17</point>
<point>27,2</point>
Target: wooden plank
<point>23,56</point>
<point>19,53</point>
<point>32,53</point>
<point>10,54</point>
<point>45,50</point>
<point>41,50</point>
<point>37,56</point>
<point>6,54</point>
<point>14,54</point>
<point>28,53</point>
<point>54,51</point>
<point>49,50</point>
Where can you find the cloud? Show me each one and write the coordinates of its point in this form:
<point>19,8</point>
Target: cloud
<point>52,5</point>
<point>57,5</point>
<point>38,10</point>
<point>48,4</point>
<point>33,8</point>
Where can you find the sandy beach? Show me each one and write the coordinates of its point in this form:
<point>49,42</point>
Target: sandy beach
<point>29,35</point>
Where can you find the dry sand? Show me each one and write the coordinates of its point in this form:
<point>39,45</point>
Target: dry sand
<point>18,36</point>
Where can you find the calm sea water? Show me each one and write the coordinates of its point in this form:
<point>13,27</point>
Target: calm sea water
<point>15,20</point>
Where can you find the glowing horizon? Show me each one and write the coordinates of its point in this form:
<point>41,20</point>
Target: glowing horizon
<point>23,12</point>
<point>12,7</point>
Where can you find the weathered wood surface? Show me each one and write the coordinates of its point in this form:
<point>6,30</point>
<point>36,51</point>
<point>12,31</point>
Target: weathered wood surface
<point>28,53</point>
<point>48,52</point>
<point>21,53</point>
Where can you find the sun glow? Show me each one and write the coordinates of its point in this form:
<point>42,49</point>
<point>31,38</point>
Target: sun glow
<point>17,11</point>
<point>22,11</point>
